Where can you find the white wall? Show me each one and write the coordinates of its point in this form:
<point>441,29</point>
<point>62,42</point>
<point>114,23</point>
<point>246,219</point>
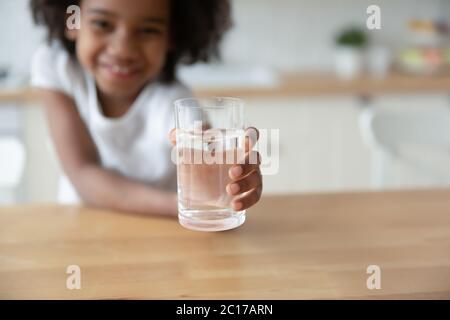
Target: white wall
<point>298,34</point>
<point>18,36</point>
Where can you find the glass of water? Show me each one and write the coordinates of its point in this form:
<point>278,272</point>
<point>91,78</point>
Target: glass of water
<point>210,140</point>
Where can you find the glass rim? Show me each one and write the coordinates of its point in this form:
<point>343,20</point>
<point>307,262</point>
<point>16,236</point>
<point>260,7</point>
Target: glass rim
<point>240,102</point>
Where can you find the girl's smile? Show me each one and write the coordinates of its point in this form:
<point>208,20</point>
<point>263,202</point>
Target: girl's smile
<point>119,72</point>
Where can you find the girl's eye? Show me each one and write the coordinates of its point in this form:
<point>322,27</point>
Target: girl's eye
<point>150,31</point>
<point>101,24</point>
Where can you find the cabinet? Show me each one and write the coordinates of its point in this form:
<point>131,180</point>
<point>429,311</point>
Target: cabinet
<point>320,144</point>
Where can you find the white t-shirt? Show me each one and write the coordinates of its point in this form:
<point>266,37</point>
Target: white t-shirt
<point>135,145</point>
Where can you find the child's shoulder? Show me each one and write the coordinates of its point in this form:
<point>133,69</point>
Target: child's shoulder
<point>53,54</point>
<point>53,49</point>
<point>52,67</point>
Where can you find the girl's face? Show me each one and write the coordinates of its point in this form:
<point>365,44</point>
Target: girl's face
<point>123,43</point>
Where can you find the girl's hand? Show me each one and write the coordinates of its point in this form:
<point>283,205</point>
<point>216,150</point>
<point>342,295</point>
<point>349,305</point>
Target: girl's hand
<point>246,178</point>
<point>245,186</point>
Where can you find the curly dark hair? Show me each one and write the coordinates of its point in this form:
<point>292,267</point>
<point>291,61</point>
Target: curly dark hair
<point>197,28</point>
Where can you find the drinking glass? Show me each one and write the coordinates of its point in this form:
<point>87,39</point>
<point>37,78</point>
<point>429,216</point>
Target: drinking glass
<point>210,140</point>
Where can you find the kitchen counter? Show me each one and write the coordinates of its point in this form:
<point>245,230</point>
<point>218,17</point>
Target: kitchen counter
<point>323,84</point>
<point>290,247</point>
<point>302,84</point>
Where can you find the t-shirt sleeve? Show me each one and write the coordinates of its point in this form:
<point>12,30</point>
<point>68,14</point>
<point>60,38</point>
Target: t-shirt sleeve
<point>50,69</point>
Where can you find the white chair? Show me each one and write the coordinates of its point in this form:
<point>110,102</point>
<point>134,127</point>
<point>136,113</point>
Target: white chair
<point>419,139</point>
<point>12,164</point>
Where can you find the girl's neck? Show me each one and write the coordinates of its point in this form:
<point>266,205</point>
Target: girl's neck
<point>114,106</point>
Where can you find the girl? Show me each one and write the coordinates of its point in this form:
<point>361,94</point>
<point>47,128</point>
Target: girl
<point>108,88</point>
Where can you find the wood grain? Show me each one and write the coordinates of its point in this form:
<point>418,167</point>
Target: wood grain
<point>314,246</point>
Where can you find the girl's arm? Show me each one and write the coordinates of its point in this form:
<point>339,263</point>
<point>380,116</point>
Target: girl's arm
<point>95,185</point>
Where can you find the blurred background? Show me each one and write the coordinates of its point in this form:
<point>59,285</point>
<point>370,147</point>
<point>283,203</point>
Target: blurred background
<point>357,109</point>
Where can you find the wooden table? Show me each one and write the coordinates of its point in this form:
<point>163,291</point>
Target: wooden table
<point>290,247</point>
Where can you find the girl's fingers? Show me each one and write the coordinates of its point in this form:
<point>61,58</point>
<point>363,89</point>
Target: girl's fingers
<point>248,200</point>
<point>251,161</point>
<point>245,184</point>
<point>252,158</point>
<point>173,136</point>
<point>251,137</point>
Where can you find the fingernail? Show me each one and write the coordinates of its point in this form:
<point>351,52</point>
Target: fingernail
<point>237,206</point>
<point>234,188</point>
<point>236,171</point>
